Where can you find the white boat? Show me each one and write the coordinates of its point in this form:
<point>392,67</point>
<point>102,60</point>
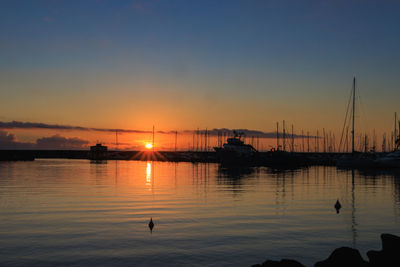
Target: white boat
<point>235,150</point>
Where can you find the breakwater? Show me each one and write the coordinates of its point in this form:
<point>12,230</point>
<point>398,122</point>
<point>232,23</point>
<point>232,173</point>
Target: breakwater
<point>272,159</point>
<point>183,156</point>
<point>17,155</point>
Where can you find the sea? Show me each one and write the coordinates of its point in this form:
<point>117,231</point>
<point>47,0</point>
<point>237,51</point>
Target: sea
<point>64,212</point>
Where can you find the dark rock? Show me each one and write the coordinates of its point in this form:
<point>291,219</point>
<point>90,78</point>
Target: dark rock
<point>282,263</point>
<point>343,257</point>
<point>390,243</point>
<point>389,255</point>
<point>376,258</point>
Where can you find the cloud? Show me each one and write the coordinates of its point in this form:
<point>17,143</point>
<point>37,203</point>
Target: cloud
<point>9,141</point>
<point>39,125</point>
<point>61,142</point>
<point>6,137</point>
<point>244,132</point>
<point>211,132</point>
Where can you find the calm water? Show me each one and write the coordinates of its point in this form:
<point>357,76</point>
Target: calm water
<point>73,212</point>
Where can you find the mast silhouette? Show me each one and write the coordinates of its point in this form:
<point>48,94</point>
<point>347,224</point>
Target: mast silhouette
<point>152,143</point>
<point>395,131</point>
<point>277,136</point>
<point>354,111</point>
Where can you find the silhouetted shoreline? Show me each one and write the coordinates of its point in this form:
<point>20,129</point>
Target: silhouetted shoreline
<point>180,156</point>
<point>271,159</point>
<point>389,256</point>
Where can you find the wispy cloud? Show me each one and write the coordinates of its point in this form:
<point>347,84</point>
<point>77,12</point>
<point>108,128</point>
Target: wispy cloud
<point>243,132</point>
<point>39,125</point>
<point>211,132</point>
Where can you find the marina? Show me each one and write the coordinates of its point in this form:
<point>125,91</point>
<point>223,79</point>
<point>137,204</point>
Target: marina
<point>290,151</point>
<point>200,133</point>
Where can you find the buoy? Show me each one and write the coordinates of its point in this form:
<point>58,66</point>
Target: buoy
<point>151,224</point>
<point>337,206</point>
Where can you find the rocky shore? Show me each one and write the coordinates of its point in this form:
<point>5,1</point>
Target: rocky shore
<point>389,256</point>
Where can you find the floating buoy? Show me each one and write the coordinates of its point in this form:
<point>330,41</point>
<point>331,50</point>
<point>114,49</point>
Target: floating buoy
<point>151,224</point>
<point>337,206</point>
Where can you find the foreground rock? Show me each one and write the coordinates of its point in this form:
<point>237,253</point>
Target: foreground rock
<point>343,256</point>
<point>282,263</point>
<point>389,255</point>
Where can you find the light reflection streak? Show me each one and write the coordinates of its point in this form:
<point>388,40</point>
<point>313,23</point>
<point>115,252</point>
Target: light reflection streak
<point>148,173</point>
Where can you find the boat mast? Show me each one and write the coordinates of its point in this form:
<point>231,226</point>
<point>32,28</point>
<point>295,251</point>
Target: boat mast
<point>292,139</point>
<point>284,136</point>
<point>277,136</point>
<point>354,111</point>
<point>395,130</point>
<point>398,138</point>
<point>152,143</point>
<point>176,140</point>
<point>116,139</point>
<point>397,142</point>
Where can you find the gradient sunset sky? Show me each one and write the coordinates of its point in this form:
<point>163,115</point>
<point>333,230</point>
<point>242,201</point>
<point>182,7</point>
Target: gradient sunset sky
<point>187,64</point>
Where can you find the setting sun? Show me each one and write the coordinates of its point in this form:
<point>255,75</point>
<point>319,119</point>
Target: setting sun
<point>149,145</point>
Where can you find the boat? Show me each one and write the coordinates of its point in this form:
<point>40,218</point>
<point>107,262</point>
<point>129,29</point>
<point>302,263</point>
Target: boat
<point>371,159</point>
<point>355,159</point>
<point>236,151</point>
<point>390,160</point>
<point>98,152</point>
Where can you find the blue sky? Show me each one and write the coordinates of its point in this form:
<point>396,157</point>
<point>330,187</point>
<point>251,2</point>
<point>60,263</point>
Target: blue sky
<point>189,64</point>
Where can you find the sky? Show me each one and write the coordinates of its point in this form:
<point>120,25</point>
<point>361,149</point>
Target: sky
<point>183,65</point>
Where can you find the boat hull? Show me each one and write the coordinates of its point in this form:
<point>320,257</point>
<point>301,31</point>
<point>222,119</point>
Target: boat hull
<point>227,157</point>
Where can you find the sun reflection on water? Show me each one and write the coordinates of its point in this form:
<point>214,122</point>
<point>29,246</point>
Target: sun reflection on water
<point>148,173</point>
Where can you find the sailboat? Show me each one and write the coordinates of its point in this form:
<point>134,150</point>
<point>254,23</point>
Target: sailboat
<point>355,159</point>
<point>392,159</point>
